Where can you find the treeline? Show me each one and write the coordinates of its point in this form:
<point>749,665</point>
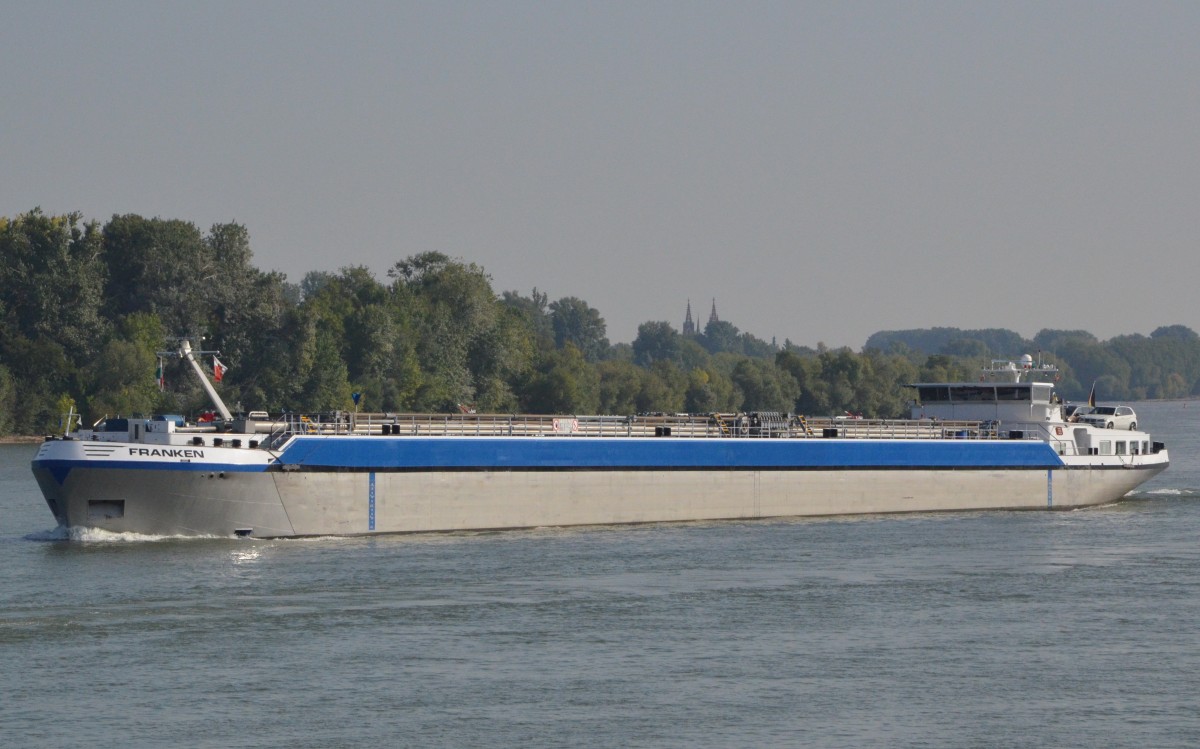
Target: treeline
<point>1165,364</point>
<point>85,307</point>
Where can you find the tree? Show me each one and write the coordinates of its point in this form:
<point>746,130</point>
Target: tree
<point>1049,339</point>
<point>1091,362</point>
<point>534,314</point>
<point>8,393</point>
<point>620,384</point>
<point>576,322</point>
<point>764,386</point>
<point>53,278</point>
<point>242,304</point>
<point>663,388</point>
<point>721,337</point>
<point>812,393</point>
<point>122,379</point>
<point>501,357</point>
<point>46,374</point>
<point>710,391</point>
<point>454,310</point>
<point>656,341</point>
<point>970,348</point>
<point>564,384</point>
<point>1180,333</point>
<point>157,266</point>
<point>327,387</point>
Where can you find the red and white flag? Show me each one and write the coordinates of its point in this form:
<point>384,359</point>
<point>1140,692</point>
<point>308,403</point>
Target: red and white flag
<point>218,369</point>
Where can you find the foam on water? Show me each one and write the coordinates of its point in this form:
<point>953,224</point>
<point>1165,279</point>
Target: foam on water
<point>98,535</point>
<point>1171,492</point>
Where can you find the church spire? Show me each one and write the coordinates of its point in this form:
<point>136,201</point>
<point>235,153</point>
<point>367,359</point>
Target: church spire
<point>689,327</point>
<point>712,318</point>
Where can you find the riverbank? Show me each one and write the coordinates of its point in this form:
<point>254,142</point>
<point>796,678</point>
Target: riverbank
<point>20,439</point>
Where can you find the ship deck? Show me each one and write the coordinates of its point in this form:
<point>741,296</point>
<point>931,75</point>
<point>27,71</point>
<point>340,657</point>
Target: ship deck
<point>697,426</point>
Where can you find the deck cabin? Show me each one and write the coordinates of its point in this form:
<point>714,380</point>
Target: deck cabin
<point>1006,392</point>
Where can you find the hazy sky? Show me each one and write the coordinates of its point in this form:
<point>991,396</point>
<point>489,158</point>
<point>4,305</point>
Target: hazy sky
<point>825,170</point>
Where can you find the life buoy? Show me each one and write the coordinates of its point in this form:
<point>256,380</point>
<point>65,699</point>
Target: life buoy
<point>1058,431</point>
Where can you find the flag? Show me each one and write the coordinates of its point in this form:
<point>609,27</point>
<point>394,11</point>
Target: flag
<point>218,369</point>
<point>158,375</point>
<point>1092,397</point>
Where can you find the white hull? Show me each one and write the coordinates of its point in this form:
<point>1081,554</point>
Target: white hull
<point>313,503</point>
<point>320,503</point>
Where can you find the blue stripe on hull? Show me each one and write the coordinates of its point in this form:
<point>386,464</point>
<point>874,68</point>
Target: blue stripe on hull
<point>531,453</point>
<point>60,468</point>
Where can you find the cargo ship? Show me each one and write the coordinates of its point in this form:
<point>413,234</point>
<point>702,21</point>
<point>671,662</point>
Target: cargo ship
<point>1001,442</point>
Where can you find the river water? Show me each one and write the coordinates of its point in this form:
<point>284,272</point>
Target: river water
<point>992,629</point>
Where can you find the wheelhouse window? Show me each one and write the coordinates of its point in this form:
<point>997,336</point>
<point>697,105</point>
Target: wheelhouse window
<point>933,394</point>
<point>973,394</point>
<point>1007,393</point>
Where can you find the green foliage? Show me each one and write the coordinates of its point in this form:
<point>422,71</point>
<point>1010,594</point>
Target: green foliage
<point>662,389</point>
<point>721,337</point>
<point>53,276</point>
<point>534,315</point>
<point>8,394</point>
<point>765,386</point>
<point>580,325</point>
<point>990,342</point>
<point>709,391</point>
<point>161,268</point>
<point>85,308</point>
<point>656,341</point>
<point>620,384</point>
<point>453,311</point>
<point>565,383</point>
<point>1051,340</point>
<point>122,381</point>
<point>1180,333</point>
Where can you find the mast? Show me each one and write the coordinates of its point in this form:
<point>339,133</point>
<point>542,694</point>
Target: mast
<point>185,350</point>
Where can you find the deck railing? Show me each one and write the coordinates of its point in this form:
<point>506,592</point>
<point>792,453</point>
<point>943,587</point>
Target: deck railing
<point>750,426</point>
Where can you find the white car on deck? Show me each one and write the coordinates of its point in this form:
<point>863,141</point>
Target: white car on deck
<point>1111,417</point>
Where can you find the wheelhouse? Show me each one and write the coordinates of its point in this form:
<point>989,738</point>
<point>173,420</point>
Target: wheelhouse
<point>1005,391</point>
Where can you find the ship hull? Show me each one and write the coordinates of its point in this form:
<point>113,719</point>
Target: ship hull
<point>166,502</point>
<point>404,487</point>
<point>339,503</point>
